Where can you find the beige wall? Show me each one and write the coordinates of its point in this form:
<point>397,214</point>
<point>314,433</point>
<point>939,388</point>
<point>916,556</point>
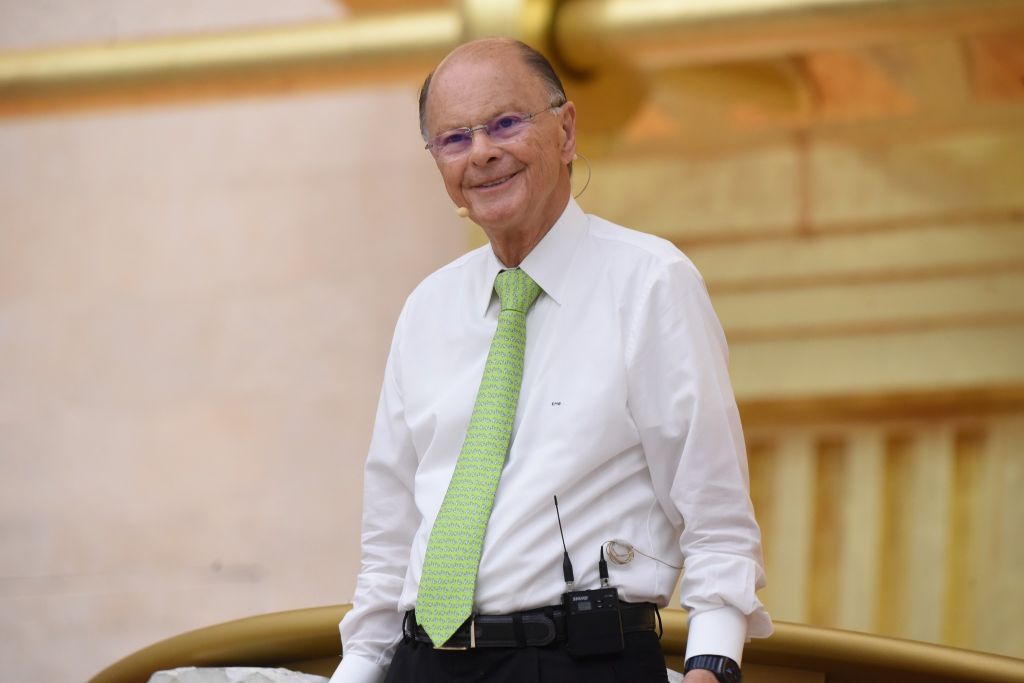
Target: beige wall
<point>195,306</point>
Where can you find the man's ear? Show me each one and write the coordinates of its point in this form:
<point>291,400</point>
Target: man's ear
<point>567,118</point>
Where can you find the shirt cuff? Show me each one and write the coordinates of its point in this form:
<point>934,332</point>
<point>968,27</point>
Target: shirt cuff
<point>720,631</point>
<point>355,669</point>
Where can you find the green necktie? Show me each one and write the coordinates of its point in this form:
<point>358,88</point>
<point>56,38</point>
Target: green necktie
<point>450,566</point>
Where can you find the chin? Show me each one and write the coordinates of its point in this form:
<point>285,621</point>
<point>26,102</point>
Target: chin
<point>498,220</point>
<point>502,210</point>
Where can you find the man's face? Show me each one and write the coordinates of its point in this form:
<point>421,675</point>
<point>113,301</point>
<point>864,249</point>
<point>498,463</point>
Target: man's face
<point>521,184</point>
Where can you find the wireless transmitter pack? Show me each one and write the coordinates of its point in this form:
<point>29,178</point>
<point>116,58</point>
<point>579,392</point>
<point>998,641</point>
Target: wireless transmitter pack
<point>592,622</point>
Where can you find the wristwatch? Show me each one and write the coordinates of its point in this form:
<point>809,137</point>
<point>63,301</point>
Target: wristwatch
<point>725,669</point>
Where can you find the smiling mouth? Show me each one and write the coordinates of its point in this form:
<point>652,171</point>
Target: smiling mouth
<point>496,183</point>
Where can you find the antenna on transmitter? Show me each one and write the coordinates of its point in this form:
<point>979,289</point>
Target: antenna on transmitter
<point>570,581</point>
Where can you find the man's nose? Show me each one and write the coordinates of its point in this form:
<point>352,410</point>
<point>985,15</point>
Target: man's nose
<point>482,149</point>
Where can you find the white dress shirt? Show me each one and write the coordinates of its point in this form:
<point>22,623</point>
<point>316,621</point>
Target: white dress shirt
<point>626,413</point>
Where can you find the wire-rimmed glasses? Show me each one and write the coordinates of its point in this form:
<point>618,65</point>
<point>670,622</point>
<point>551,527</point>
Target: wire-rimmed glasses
<point>453,143</point>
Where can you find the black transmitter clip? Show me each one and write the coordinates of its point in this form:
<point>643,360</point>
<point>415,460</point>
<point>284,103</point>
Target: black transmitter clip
<point>592,622</point>
<point>593,626</point>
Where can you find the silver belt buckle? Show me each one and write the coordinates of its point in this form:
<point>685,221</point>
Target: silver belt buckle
<point>472,638</point>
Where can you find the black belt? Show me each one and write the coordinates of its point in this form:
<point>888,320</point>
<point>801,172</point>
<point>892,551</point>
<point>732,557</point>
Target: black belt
<point>533,628</point>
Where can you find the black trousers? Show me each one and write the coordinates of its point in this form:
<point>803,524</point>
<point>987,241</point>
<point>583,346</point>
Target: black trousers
<point>641,662</point>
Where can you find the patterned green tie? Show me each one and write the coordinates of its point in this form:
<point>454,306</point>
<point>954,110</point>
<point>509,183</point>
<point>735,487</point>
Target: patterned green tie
<point>448,581</point>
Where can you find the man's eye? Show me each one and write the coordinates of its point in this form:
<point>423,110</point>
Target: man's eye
<point>453,138</point>
<point>507,122</point>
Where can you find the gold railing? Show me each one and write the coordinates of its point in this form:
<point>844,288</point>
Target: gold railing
<point>307,640</point>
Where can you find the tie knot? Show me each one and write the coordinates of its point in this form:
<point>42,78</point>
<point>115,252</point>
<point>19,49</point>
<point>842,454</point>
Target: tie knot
<point>516,290</point>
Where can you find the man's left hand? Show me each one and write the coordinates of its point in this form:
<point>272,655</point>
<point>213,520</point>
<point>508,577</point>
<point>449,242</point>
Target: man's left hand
<point>700,676</point>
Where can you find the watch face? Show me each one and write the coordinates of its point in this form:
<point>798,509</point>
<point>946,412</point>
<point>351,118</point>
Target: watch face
<point>730,674</point>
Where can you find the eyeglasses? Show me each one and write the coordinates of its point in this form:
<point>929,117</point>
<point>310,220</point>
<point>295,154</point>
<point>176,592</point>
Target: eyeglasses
<point>452,144</point>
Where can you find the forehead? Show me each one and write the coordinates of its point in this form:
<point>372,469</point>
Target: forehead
<point>471,88</point>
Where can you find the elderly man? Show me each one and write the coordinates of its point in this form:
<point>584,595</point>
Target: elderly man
<point>572,358</point>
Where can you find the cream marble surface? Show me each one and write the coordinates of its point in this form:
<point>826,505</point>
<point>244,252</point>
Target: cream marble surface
<point>233,675</point>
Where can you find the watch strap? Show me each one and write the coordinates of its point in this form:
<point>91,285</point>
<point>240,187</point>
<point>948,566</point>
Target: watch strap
<point>725,669</point>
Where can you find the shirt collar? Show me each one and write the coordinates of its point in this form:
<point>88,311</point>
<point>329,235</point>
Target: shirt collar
<point>548,262</point>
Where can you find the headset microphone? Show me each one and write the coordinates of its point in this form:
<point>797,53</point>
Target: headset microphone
<point>462,212</point>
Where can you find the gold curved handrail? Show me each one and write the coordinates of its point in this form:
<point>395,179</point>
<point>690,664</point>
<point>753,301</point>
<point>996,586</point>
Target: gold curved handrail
<point>307,640</point>
<point>296,637</point>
